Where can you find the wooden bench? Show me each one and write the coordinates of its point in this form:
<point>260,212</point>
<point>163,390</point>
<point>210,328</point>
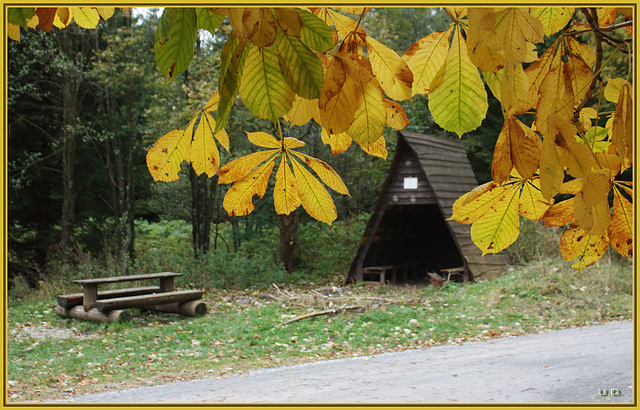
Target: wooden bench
<point>107,305</point>
<point>382,271</point>
<point>459,271</point>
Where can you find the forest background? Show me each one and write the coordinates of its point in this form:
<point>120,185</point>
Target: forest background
<point>84,106</point>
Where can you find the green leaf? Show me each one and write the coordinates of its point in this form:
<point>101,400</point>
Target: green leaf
<point>300,66</point>
<point>458,99</point>
<point>231,62</point>
<point>208,20</point>
<point>20,15</point>
<point>315,32</point>
<point>263,88</point>
<point>175,40</point>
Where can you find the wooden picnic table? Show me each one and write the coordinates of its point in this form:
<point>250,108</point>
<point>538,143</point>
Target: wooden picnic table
<point>107,305</point>
<point>90,286</point>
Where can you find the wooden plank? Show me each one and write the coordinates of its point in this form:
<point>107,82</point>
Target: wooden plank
<point>75,299</point>
<point>130,278</point>
<point>143,301</point>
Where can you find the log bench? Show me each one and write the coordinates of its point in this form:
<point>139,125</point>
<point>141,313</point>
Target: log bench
<point>108,305</point>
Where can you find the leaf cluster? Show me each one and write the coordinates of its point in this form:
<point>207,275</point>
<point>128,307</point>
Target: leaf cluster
<point>559,157</point>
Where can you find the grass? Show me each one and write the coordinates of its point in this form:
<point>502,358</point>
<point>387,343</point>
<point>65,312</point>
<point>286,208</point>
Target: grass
<point>241,330</point>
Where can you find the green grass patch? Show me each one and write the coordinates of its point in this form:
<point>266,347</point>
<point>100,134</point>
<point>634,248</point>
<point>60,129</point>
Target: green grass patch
<point>53,357</point>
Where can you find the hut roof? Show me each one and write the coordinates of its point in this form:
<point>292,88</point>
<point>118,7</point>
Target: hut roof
<point>449,175</point>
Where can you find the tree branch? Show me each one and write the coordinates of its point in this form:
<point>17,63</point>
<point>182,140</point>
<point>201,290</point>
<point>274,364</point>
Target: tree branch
<point>323,312</point>
<point>592,19</point>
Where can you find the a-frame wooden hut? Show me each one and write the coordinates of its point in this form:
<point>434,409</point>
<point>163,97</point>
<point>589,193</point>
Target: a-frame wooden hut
<point>408,232</point>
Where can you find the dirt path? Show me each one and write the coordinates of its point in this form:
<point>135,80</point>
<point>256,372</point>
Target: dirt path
<point>573,365</point>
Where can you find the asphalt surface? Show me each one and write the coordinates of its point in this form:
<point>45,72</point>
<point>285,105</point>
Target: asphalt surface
<point>578,365</point>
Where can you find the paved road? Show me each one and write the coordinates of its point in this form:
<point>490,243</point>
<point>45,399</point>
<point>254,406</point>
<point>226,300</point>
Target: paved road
<point>573,365</point>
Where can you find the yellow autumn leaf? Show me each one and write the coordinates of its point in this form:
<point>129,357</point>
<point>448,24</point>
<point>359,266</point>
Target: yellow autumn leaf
<point>63,17</point>
<point>13,31</point>
<point>264,140</point>
<point>339,143</point>
<point>338,113</point>
<point>285,193</point>
<point>499,227</point>
<point>473,205</point>
<point>212,104</point>
<point>205,157</point>
<point>334,78</point>
<point>621,229</point>
<point>355,66</point>
<point>514,26</point>
<point>346,27</point>
<point>593,219</point>
<point>106,12</point>
<point>514,89</point>
<point>289,20</point>
<point>86,17</point>
<point>239,198</point>
<point>396,115</point>
<point>425,57</point>
<point>260,25</point>
<point>613,87</point>
<point>622,130</point>
<point>303,111</point>
<point>166,155</point>
<point>585,249</point>
<point>517,146</point>
<point>236,20</point>
<point>553,19</point>
<point>556,98</point>
<point>325,172</point>
<point>292,143</point>
<point>538,70</point>
<point>551,168</point>
<point>606,15</point>
<point>391,70</point>
<point>378,148</point>
<point>33,22</point>
<point>532,204</point>
<point>559,214</point>
<point>487,59</point>
<point>370,116</point>
<point>502,164</point>
<point>240,167</point>
<point>314,197</point>
<point>580,75</point>
<point>580,50</point>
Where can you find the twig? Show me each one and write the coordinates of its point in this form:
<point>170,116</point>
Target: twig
<point>323,312</point>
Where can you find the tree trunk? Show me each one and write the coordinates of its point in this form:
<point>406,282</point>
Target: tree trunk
<point>290,241</point>
<point>203,191</point>
<point>70,87</point>
<point>235,229</point>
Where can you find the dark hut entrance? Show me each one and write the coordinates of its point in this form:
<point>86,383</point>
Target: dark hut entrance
<point>415,240</point>
<point>408,238</point>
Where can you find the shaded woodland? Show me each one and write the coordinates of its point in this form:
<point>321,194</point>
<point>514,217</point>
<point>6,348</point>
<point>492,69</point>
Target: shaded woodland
<point>84,106</point>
